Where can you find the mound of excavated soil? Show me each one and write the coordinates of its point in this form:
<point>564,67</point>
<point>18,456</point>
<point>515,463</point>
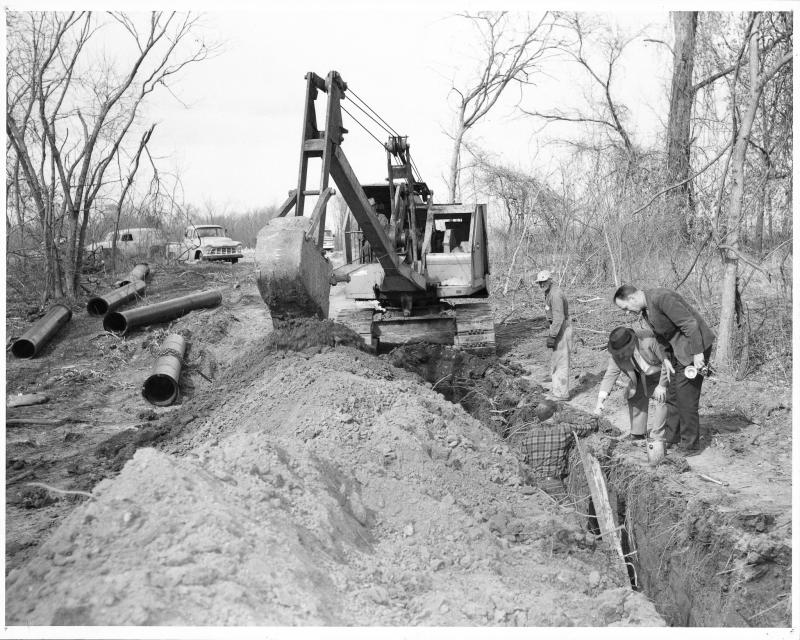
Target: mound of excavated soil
<point>322,489</point>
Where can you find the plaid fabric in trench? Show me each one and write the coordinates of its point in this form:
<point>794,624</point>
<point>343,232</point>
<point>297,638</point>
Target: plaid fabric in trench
<point>546,445</point>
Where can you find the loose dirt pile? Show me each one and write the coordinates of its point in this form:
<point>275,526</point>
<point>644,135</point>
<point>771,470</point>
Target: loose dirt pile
<point>324,487</point>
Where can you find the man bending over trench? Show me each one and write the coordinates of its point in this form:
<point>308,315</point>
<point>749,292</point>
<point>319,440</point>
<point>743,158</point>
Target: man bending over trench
<point>547,442</point>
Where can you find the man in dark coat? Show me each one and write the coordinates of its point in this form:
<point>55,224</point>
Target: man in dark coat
<point>688,341</point>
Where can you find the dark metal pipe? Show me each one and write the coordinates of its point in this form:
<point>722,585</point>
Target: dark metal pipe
<point>40,333</point>
<point>161,387</point>
<point>101,305</point>
<point>120,322</point>
<point>139,272</point>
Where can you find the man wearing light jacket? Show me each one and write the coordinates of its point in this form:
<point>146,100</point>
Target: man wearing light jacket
<point>687,340</point>
<point>647,372</point>
<point>559,337</point>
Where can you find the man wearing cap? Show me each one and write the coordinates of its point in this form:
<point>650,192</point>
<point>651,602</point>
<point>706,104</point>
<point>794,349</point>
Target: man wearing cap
<point>687,340</point>
<point>559,337</point>
<point>647,372</point>
<point>547,441</point>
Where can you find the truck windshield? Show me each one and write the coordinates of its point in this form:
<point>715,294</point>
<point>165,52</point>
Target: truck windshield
<point>208,232</point>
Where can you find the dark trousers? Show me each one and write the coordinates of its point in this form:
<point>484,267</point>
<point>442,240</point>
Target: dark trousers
<point>683,404</point>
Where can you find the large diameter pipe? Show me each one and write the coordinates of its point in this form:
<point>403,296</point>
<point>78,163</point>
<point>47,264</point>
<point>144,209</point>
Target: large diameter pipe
<point>101,305</point>
<point>139,272</point>
<point>161,388</point>
<point>40,333</point>
<point>120,322</point>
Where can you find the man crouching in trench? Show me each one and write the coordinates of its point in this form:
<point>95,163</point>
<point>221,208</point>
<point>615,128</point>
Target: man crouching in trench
<point>547,442</point>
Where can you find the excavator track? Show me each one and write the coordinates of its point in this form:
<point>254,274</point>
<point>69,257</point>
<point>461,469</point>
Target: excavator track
<point>359,319</point>
<point>475,328</point>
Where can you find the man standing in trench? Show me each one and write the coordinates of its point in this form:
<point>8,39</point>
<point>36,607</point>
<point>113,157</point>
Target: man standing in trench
<point>559,337</point>
<point>547,440</point>
<point>688,341</point>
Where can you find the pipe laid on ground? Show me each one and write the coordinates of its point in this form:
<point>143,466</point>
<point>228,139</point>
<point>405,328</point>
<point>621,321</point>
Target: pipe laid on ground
<point>101,305</point>
<point>32,341</point>
<point>161,387</point>
<point>120,322</point>
<point>139,272</point>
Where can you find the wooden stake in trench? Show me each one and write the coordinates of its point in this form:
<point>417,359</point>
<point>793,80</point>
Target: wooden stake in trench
<point>602,505</point>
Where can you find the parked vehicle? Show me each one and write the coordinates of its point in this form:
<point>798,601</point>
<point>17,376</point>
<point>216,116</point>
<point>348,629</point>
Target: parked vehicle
<point>131,243</point>
<point>206,242</point>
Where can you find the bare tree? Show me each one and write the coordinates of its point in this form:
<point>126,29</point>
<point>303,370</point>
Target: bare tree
<point>509,56</point>
<point>680,115</point>
<point>608,112</point>
<point>759,75</point>
<point>67,120</point>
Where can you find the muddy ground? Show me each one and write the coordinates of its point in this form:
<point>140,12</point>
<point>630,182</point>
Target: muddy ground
<point>319,484</point>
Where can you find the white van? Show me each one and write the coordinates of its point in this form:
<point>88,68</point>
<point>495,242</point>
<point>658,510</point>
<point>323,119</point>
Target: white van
<point>131,243</point>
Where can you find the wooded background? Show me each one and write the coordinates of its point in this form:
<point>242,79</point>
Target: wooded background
<point>706,210</point>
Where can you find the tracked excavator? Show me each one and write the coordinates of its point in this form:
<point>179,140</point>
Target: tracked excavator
<point>414,271</point>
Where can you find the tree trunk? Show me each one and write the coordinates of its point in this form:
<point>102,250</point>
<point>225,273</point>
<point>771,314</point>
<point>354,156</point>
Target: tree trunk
<point>680,115</point>
<point>456,157</point>
<point>726,333</point>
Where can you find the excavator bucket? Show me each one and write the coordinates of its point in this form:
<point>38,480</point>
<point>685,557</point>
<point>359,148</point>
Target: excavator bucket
<point>293,275</point>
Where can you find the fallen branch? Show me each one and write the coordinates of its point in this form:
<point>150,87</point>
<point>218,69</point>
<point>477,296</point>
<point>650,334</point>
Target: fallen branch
<point>61,491</point>
<point>714,480</point>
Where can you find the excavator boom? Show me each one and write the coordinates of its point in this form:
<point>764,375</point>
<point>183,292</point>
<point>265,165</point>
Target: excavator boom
<point>407,254</point>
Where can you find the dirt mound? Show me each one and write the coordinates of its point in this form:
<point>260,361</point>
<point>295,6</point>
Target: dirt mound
<point>308,333</point>
<point>331,489</point>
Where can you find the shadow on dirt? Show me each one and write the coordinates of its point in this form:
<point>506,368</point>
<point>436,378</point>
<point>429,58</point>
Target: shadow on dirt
<point>509,334</point>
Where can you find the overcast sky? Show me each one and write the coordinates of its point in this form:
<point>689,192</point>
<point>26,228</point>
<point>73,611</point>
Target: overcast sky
<point>236,142</point>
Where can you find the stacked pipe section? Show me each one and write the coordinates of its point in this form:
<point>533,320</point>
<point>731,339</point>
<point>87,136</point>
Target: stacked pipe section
<point>161,387</point>
<point>125,290</point>
<point>34,339</point>
<point>121,322</point>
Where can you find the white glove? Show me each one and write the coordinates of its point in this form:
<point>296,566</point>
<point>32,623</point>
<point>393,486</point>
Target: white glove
<point>660,394</point>
<point>601,398</point>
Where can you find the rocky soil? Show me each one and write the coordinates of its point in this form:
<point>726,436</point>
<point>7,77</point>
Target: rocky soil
<point>300,481</point>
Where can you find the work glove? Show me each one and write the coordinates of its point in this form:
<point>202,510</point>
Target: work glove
<point>660,394</point>
<point>551,342</point>
<point>601,398</point>
<point>699,361</point>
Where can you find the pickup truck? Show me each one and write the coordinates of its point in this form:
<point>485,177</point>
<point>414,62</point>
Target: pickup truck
<point>206,242</point>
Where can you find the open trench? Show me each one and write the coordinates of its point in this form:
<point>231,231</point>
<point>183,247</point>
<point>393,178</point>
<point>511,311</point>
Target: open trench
<point>701,562</point>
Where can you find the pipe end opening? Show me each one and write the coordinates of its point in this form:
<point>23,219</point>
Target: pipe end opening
<point>160,390</point>
<point>23,349</point>
<point>115,323</point>
<point>97,307</point>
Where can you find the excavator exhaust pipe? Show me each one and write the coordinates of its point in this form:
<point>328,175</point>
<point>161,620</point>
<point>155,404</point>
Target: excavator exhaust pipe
<point>101,305</point>
<point>121,322</point>
<point>161,387</point>
<point>293,276</point>
<point>32,341</point>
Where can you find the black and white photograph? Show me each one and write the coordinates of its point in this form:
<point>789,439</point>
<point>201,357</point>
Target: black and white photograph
<point>398,319</point>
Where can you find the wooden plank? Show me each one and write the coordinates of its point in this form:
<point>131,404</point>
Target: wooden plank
<point>44,422</point>
<point>26,400</point>
<point>602,505</point>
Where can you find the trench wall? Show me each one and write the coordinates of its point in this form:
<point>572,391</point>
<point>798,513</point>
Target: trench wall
<point>702,563</point>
